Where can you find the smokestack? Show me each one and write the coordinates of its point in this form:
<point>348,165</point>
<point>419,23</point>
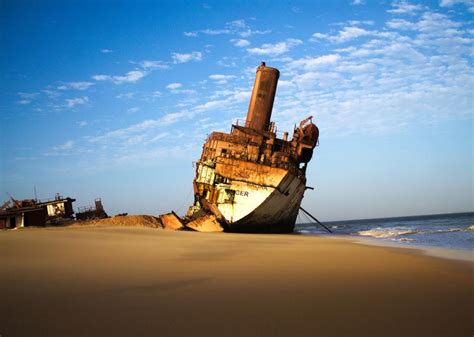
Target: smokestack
<point>263,95</point>
<point>98,204</point>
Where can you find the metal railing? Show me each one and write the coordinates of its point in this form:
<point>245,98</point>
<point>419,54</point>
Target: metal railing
<point>84,209</point>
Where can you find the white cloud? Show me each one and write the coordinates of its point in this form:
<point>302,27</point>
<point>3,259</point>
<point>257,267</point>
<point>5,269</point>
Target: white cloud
<point>221,79</point>
<point>449,3</point>
<point>138,128</point>
<point>250,32</point>
<point>346,34</point>
<point>404,7</point>
<point>66,146</point>
<point>130,77</point>
<point>207,31</point>
<point>76,85</point>
<point>358,2</point>
<point>232,98</point>
<point>126,95</point>
<point>275,49</point>
<point>82,123</point>
<point>27,98</point>
<point>315,62</point>
<point>237,23</point>
<point>28,95</point>
<point>133,75</point>
<point>400,24</point>
<point>319,36</point>
<point>215,31</point>
<point>240,42</point>
<point>174,86</point>
<point>349,33</point>
<point>72,102</point>
<point>227,62</point>
<point>106,51</point>
<point>50,93</point>
<point>102,77</point>
<point>236,27</point>
<point>133,109</point>
<point>183,58</point>
<point>359,22</point>
<point>149,65</point>
<point>159,137</point>
<point>436,24</point>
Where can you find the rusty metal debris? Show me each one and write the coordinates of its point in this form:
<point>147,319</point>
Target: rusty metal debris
<point>171,221</point>
<point>206,223</point>
<point>92,212</point>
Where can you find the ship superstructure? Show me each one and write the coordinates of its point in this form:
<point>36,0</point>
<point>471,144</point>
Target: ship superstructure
<point>250,180</point>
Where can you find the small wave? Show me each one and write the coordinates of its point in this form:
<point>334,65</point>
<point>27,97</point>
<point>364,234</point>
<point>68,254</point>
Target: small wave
<point>305,231</point>
<point>449,230</point>
<point>403,239</point>
<point>380,232</point>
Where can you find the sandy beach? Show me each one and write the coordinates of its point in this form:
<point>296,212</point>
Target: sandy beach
<point>148,282</point>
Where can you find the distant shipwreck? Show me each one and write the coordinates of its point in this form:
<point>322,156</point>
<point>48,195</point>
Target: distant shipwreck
<point>249,180</point>
<point>39,213</point>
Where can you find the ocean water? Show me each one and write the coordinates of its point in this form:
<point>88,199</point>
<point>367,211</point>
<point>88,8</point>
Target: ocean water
<point>453,231</point>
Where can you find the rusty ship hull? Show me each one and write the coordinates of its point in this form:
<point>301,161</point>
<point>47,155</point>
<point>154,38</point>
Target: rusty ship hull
<point>249,179</point>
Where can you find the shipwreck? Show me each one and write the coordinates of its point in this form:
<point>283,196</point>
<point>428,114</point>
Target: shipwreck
<point>33,212</point>
<point>249,180</point>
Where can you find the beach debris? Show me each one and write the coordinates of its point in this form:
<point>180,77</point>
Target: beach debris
<point>171,221</point>
<point>206,223</point>
<point>92,212</point>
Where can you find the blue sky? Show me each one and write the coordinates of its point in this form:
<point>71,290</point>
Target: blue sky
<point>114,99</point>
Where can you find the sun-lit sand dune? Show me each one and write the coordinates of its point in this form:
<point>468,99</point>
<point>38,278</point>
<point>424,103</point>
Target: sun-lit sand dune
<point>86,281</point>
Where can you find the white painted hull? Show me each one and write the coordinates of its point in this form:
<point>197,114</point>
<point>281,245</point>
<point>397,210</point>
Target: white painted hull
<point>277,213</point>
<point>254,197</point>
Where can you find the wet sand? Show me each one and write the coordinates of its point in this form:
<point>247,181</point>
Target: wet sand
<point>148,282</point>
